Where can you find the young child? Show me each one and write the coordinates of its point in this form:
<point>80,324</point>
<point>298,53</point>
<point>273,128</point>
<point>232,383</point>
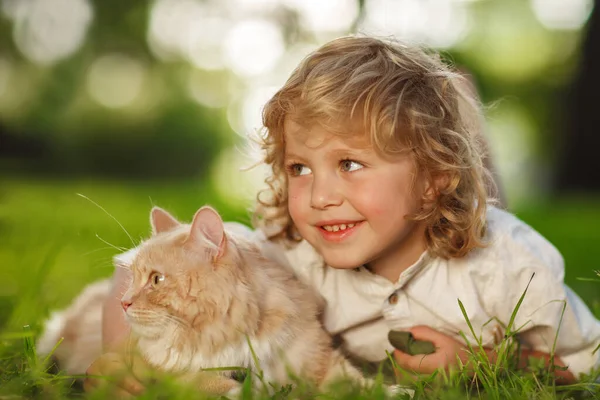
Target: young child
<point>378,199</point>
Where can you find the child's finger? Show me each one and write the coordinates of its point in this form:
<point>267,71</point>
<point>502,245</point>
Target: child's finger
<point>406,361</point>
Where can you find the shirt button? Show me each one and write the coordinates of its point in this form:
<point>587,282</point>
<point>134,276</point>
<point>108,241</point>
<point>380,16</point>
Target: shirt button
<point>393,299</point>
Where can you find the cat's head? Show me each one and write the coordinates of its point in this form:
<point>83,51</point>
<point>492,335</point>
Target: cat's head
<point>186,277</point>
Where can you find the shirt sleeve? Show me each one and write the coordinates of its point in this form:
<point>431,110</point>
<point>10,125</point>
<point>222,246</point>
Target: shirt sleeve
<point>551,315</point>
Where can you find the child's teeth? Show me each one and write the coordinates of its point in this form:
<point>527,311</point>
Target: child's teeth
<point>337,228</point>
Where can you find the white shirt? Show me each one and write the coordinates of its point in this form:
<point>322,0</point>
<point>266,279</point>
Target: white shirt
<point>489,282</point>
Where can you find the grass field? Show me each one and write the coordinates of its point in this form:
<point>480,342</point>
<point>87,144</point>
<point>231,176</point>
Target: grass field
<point>53,242</point>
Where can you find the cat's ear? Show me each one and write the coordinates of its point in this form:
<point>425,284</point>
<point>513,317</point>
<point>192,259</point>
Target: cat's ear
<point>208,225</point>
<point>162,221</point>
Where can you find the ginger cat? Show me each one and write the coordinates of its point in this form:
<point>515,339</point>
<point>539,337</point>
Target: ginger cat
<point>201,292</point>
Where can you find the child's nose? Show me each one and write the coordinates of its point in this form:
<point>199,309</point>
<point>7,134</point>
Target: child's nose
<point>325,193</point>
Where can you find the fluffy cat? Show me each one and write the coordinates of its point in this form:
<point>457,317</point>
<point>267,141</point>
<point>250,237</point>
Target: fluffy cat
<point>203,297</point>
<point>200,293</point>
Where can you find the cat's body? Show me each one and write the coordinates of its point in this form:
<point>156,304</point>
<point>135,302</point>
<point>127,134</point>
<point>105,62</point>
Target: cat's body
<point>205,297</point>
<point>79,327</point>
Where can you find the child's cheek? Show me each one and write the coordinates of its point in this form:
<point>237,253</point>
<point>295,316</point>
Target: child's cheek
<point>295,204</point>
<point>366,203</point>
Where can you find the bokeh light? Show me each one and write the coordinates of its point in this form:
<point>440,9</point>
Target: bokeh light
<point>325,16</point>
<point>562,14</point>
<point>187,29</point>
<point>49,31</point>
<point>115,80</point>
<point>204,47</point>
<point>436,23</point>
<point>253,47</point>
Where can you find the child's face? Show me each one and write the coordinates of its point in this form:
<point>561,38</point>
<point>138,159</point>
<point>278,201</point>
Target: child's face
<point>349,203</point>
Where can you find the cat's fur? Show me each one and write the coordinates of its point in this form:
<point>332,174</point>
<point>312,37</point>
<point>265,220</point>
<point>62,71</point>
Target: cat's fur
<point>219,301</point>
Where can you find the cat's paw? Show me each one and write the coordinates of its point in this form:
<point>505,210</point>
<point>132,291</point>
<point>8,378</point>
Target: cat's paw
<point>395,390</point>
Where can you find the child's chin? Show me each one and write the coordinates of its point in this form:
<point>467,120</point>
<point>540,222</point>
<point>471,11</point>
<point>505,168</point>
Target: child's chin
<point>339,263</point>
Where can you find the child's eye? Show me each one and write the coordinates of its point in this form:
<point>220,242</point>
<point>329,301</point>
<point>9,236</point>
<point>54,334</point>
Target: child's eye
<point>298,169</point>
<point>350,166</point>
<point>156,278</point>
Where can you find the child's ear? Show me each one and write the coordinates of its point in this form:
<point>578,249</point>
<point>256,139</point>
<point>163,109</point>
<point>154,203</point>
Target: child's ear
<point>208,225</point>
<point>162,221</point>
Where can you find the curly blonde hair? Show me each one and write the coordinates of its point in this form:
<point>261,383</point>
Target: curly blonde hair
<point>407,101</point>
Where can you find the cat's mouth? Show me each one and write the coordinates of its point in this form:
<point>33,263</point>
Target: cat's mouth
<point>145,322</point>
<point>151,323</point>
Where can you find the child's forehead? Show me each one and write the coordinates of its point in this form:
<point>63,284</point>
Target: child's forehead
<point>314,135</point>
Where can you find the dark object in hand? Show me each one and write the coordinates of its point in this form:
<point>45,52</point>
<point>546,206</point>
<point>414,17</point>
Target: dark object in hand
<point>406,343</point>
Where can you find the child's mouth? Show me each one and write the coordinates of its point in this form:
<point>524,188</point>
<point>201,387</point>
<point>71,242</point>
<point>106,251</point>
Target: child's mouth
<point>338,232</point>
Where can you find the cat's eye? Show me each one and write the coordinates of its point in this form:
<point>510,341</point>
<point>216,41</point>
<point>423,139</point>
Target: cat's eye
<point>156,278</point>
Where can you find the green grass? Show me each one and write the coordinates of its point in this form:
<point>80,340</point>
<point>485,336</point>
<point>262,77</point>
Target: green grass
<point>53,242</point>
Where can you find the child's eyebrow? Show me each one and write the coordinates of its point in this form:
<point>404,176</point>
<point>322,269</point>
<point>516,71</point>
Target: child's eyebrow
<point>349,152</point>
<point>335,153</point>
<point>290,155</point>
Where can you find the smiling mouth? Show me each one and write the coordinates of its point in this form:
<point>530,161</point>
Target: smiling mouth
<point>338,232</point>
<point>338,227</point>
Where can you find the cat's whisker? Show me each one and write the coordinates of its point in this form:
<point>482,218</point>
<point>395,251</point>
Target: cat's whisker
<point>178,321</point>
<point>150,316</point>
<point>121,249</point>
<point>101,265</point>
<point>158,318</point>
<point>110,215</point>
<point>125,267</point>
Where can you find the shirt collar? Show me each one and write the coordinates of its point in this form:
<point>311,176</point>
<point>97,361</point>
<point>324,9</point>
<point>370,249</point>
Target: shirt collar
<point>404,277</point>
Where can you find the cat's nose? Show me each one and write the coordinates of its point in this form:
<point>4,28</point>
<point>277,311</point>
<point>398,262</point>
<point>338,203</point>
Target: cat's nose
<point>125,304</point>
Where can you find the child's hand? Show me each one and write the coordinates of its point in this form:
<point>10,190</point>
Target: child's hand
<point>118,370</point>
<point>446,351</point>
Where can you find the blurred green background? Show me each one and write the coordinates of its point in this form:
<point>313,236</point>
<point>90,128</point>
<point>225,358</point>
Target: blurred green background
<point>141,103</point>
